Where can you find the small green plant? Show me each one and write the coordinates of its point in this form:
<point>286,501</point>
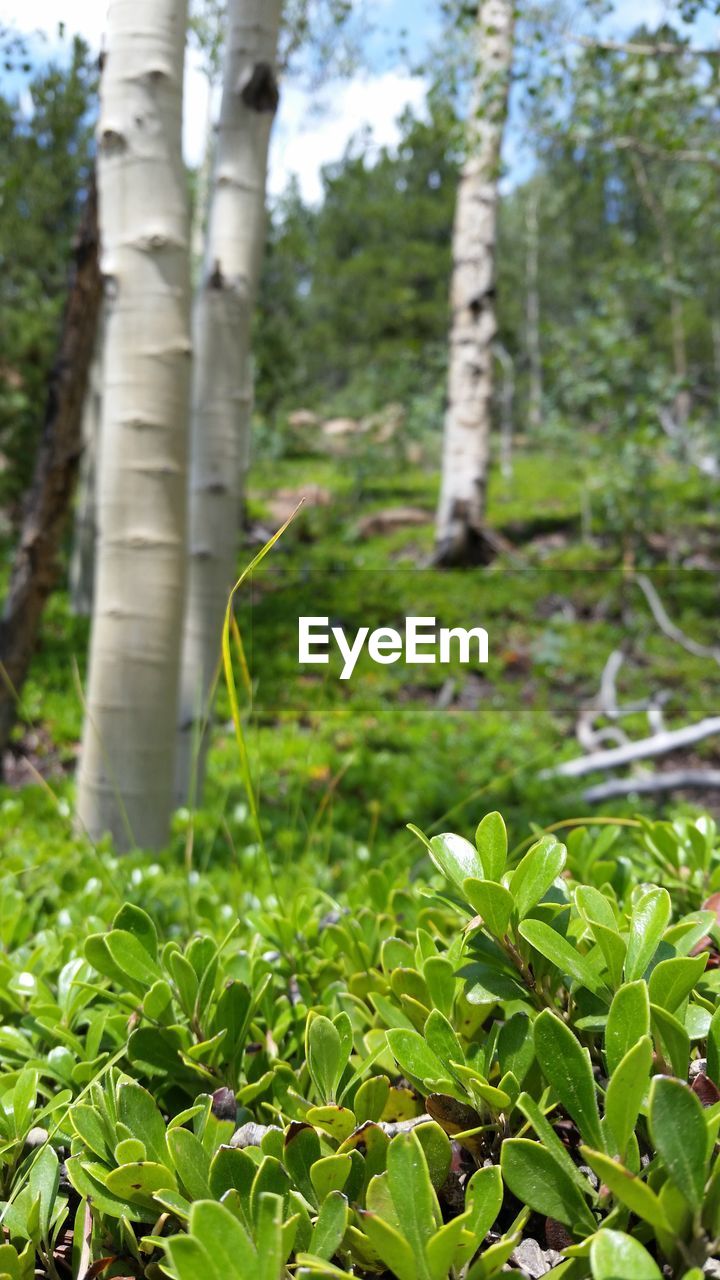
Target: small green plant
<point>521,1049</point>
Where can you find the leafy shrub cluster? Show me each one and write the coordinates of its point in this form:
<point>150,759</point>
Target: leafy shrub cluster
<point>514,1063</point>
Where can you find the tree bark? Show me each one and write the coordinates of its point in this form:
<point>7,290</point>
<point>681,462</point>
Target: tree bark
<point>82,561</point>
<point>473,325</point>
<point>222,390</point>
<point>532,318</point>
<point>125,783</point>
<point>35,567</point>
<point>682,404</point>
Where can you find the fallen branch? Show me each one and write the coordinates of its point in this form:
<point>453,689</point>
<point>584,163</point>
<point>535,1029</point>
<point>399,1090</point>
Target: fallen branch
<point>673,780</point>
<point>658,744</point>
<point>668,627</point>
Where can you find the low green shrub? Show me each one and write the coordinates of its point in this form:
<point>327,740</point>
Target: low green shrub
<point>513,1062</point>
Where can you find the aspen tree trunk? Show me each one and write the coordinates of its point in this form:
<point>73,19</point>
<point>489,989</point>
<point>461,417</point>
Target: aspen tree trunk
<point>34,569</point>
<point>82,561</point>
<point>473,326</point>
<point>507,397</point>
<point>126,769</point>
<point>682,404</point>
<point>532,317</point>
<point>222,379</point>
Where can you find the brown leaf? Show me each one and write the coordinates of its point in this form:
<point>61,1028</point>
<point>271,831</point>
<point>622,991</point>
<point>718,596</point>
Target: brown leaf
<point>707,1092</point>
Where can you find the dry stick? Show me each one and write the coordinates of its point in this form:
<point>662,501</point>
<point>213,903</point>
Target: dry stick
<point>673,780</point>
<point>668,628</point>
<point>657,745</point>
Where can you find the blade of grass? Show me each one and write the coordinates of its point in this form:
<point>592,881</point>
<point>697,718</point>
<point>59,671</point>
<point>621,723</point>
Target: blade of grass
<point>229,629</point>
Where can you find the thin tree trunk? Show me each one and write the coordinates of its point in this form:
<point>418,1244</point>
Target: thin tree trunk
<point>125,781</point>
<point>682,404</point>
<point>473,326</point>
<point>507,398</point>
<point>222,379</point>
<point>35,567</point>
<point>532,317</point>
<point>82,561</point>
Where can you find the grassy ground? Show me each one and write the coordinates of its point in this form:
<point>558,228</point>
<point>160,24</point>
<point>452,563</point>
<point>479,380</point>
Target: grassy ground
<point>343,765</point>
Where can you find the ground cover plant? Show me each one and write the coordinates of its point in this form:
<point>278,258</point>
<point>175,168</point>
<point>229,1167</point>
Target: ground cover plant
<point>508,1058</point>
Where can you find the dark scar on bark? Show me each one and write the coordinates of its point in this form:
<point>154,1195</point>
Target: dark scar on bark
<point>261,92</point>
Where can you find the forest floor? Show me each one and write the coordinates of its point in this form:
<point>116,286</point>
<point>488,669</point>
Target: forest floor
<point>341,765</point>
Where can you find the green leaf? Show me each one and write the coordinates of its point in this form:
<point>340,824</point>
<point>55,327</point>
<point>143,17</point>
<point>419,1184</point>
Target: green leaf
<point>44,1180</point>
<point>559,952</point>
<point>327,1055</point>
<point>302,1150</point>
<point>647,925</point>
<point>595,907</point>
<point>493,903</point>
<point>330,1227</point>
<point>191,1162</point>
<point>131,956</point>
<point>442,1248</point>
<point>626,1092</point>
<point>134,920</point>
<point>138,1182</point>
<point>567,1068</point>
<point>493,1258</point>
<point>138,1110</point>
<point>189,1259</point>
<point>537,1180</point>
<point>456,858</point>
<point>231,1169</point>
<point>547,1135</point>
<point>628,1020</point>
<point>483,1202</point>
<point>269,1237</point>
<point>674,1039</point>
<point>516,1046</point>
<point>392,1248</point>
<point>437,1149</point>
<point>416,1059</point>
<point>369,1101</point>
<point>224,1237</point>
<point>616,1256</point>
<point>412,1192</point>
<point>339,1122</point>
<point>439,975</point>
<point>671,981</point>
<point>329,1175</point>
<point>628,1189</point>
<point>680,1135</point>
<point>24,1096</point>
<point>536,872</point>
<point>492,844</point>
<point>89,1182</point>
<point>442,1040</point>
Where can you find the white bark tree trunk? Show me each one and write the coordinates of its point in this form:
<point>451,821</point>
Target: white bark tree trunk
<point>473,324</point>
<point>222,379</point>
<point>125,783</point>
<point>532,318</point>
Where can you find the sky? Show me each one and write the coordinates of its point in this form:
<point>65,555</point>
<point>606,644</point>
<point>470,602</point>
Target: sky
<point>304,139</point>
<point>314,127</point>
